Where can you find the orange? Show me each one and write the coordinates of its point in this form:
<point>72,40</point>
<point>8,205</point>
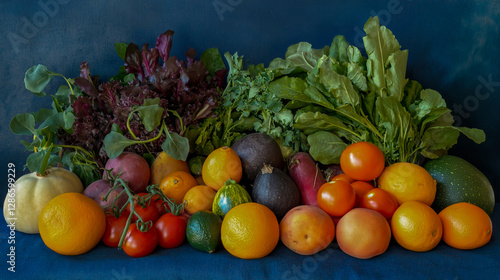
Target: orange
<point>363,233</point>
<point>408,181</point>
<point>250,231</point>
<point>176,184</point>
<point>465,226</point>
<point>221,165</point>
<point>199,198</point>
<point>164,165</point>
<point>416,226</point>
<point>71,224</point>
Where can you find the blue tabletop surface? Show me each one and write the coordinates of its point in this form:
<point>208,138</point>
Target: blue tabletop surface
<point>33,260</point>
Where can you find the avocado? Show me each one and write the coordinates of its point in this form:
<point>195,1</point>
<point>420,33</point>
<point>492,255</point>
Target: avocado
<point>459,181</point>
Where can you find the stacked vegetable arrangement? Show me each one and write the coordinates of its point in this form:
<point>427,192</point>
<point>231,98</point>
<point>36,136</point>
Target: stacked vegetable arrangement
<point>325,145</point>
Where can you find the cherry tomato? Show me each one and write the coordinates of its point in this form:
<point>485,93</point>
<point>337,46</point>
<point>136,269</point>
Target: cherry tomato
<point>336,197</point>
<point>380,201</point>
<point>114,228</point>
<point>171,230</point>
<point>148,213</point>
<point>159,204</point>
<point>360,188</point>
<point>344,177</point>
<point>362,161</point>
<point>139,244</point>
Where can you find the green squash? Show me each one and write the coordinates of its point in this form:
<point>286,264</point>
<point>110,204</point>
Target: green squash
<point>459,181</point>
<point>228,196</point>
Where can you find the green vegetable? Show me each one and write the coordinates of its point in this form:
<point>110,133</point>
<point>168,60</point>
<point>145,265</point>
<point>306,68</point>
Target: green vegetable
<point>321,100</point>
<point>460,181</point>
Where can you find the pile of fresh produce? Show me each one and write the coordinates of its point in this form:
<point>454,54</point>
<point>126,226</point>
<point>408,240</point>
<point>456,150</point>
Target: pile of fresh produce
<point>325,145</point>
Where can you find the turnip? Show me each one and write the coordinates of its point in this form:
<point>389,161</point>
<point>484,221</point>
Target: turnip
<point>134,170</point>
<point>98,190</point>
<point>307,176</point>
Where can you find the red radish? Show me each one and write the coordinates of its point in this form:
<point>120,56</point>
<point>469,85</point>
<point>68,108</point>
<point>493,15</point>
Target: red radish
<point>307,175</point>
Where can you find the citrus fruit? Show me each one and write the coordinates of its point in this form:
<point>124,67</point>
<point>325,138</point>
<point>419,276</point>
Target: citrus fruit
<point>203,231</point>
<point>221,165</point>
<point>71,224</point>
<point>363,233</point>
<point>408,181</point>
<point>176,184</point>
<point>250,231</point>
<point>199,198</point>
<point>306,230</point>
<point>416,226</point>
<point>336,197</point>
<point>465,226</point>
<point>164,165</point>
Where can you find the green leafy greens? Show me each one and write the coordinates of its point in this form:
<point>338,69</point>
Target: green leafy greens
<point>321,100</point>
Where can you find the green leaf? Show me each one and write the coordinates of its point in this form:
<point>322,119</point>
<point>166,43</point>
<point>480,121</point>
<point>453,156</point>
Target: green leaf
<point>338,87</point>
<point>176,146</point>
<point>357,76</point>
<point>430,100</point>
<point>311,122</point>
<point>115,143</point>
<point>304,56</point>
<point>476,135</point>
<point>395,74</point>
<point>326,147</point>
<point>338,49</point>
<point>151,113</point>
<point>379,44</point>
<point>23,124</point>
<point>35,160</point>
<point>212,60</point>
<point>297,89</point>
<point>121,49</point>
<point>85,169</point>
<point>37,78</point>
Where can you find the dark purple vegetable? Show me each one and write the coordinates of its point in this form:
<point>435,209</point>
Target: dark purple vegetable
<point>331,171</point>
<point>306,174</point>
<point>255,150</point>
<point>276,190</point>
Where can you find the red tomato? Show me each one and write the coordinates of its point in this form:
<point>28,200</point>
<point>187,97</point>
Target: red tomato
<point>171,230</point>
<point>360,188</point>
<point>343,177</point>
<point>336,197</point>
<point>380,201</point>
<point>159,204</point>
<point>114,229</point>
<point>139,244</point>
<point>149,212</point>
<point>362,161</point>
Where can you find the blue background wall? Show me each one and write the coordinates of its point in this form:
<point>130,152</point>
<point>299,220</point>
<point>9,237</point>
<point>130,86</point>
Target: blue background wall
<point>454,48</point>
